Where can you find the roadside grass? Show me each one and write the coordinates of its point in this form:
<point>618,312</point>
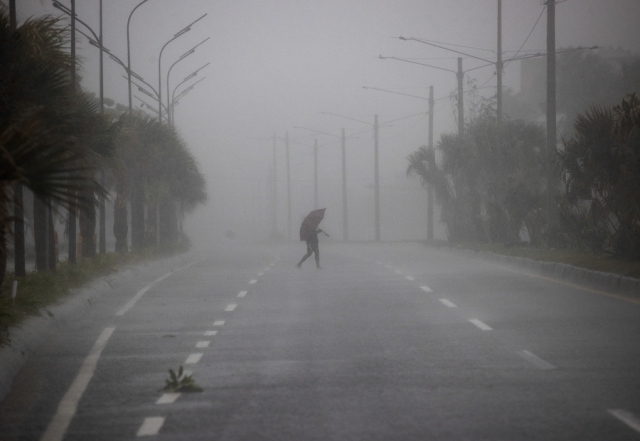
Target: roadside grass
<point>39,290</point>
<point>605,263</point>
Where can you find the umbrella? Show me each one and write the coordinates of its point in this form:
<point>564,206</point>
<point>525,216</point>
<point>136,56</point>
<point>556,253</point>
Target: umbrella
<point>311,222</point>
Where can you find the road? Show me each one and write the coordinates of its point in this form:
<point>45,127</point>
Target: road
<point>386,342</point>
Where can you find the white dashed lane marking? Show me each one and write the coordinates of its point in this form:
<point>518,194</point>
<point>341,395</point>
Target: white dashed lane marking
<point>218,323</point>
<point>150,426</point>
<point>535,360</point>
<point>193,358</point>
<point>482,326</point>
<point>252,282</point>
<point>242,293</point>
<point>448,303</point>
<point>168,398</point>
<point>210,333</point>
<point>626,417</point>
<point>231,307</point>
<point>426,289</point>
<point>203,344</point>
<point>410,278</point>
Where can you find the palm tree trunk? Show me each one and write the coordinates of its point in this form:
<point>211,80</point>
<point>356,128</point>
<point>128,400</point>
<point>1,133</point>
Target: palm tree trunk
<point>137,215</point>
<point>19,265</point>
<point>39,232</point>
<point>87,224</point>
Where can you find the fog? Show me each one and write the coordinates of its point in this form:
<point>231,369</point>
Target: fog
<point>280,64</point>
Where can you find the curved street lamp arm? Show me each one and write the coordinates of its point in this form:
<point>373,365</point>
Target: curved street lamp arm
<point>415,62</point>
<point>446,48</point>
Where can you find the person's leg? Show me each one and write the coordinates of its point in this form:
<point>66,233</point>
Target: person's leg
<point>316,251</point>
<point>309,251</point>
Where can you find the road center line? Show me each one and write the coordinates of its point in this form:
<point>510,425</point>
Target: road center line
<point>150,426</point>
<point>537,361</point>
<point>69,403</point>
<point>482,326</point>
<point>426,289</point>
<point>231,307</point>
<point>252,282</point>
<point>218,323</point>
<point>210,333</point>
<point>242,293</point>
<point>448,303</point>
<point>203,344</point>
<point>193,358</point>
<point>410,278</point>
<point>168,398</point>
<point>626,417</point>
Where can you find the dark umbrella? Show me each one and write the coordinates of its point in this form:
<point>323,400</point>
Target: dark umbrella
<point>311,222</point>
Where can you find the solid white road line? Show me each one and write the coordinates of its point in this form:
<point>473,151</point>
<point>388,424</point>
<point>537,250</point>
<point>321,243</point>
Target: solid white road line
<point>210,333</point>
<point>626,417</point>
<point>426,289</point>
<point>242,293</point>
<point>537,361</point>
<point>482,326</point>
<point>252,282</point>
<point>231,307</point>
<point>218,323</point>
<point>203,344</point>
<point>139,294</point>
<point>193,359</point>
<point>69,403</point>
<point>168,398</point>
<point>448,303</point>
<point>150,426</point>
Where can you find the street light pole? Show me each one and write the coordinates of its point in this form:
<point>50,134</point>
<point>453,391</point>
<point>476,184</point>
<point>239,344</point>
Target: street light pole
<point>288,186</point>
<point>175,36</point>
<point>345,223</point>
<point>376,183</point>
<point>129,53</point>
<point>315,174</point>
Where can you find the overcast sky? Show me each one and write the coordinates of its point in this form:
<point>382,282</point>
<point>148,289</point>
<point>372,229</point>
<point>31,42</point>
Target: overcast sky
<point>278,64</point>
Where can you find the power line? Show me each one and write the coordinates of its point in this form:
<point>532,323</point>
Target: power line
<point>528,36</point>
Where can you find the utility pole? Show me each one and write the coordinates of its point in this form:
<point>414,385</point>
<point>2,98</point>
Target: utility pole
<point>102,241</point>
<point>376,184</point>
<point>499,66</point>
<point>315,175</point>
<point>430,187</point>
<point>460,75</point>
<point>274,213</point>
<point>345,221</point>
<point>551,112</point>
<point>72,209</point>
<point>18,193</point>
<point>288,187</point>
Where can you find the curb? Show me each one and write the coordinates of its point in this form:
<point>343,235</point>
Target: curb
<point>627,286</point>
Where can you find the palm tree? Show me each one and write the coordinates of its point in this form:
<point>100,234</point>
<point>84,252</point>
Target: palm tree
<point>601,170</point>
<point>35,112</point>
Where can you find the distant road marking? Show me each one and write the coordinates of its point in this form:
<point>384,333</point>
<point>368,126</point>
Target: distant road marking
<point>447,303</point>
<point>218,323</point>
<point>140,293</point>
<point>203,344</point>
<point>398,272</point>
<point>210,333</point>
<point>260,274</point>
<point>426,289</point>
<point>537,361</point>
<point>626,417</point>
<point>242,293</point>
<point>410,278</point>
<point>251,282</point>
<point>193,359</point>
<point>69,403</point>
<point>150,426</point>
<point>168,398</point>
<point>482,326</point>
<point>231,307</point>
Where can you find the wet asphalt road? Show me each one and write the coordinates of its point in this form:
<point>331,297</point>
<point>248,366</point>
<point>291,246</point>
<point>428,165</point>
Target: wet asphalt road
<point>386,342</point>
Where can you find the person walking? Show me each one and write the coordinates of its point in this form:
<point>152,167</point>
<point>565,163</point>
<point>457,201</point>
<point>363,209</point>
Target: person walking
<point>312,247</point>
